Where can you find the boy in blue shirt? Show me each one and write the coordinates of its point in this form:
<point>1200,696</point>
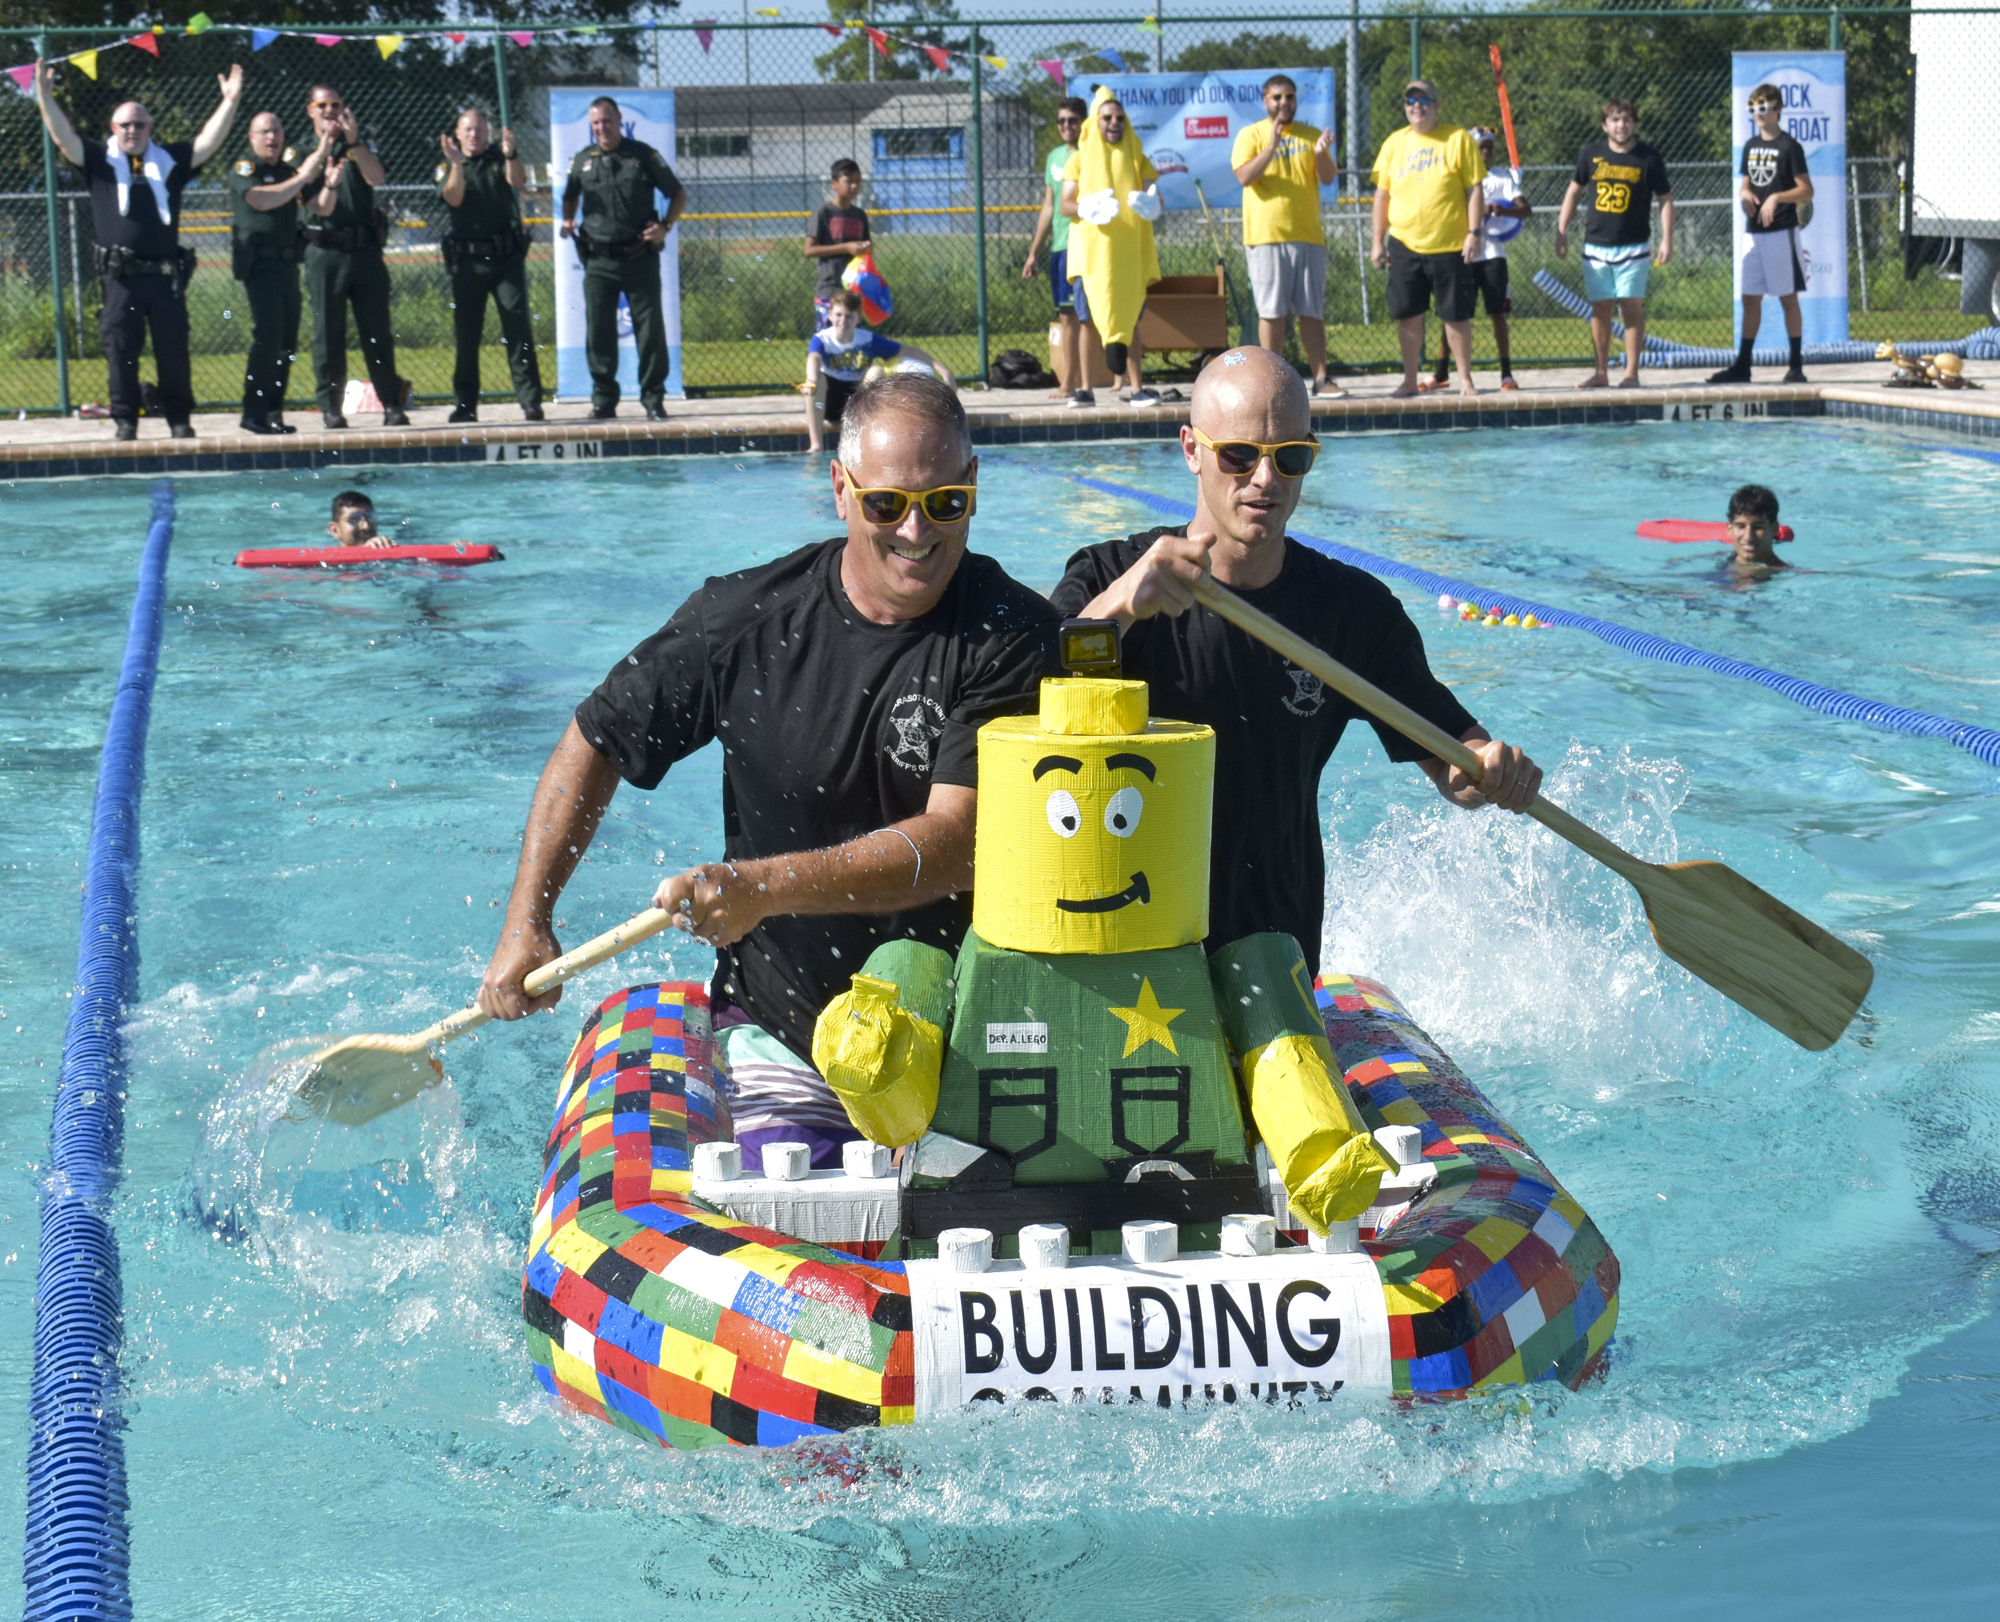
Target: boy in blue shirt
<point>840,357</point>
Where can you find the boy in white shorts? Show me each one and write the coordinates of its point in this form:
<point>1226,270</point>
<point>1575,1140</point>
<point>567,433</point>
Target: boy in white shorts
<point>1775,183</point>
<point>1506,209</point>
<point>1616,181</point>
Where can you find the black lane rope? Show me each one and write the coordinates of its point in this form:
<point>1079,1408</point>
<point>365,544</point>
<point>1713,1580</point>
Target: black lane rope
<point>77,1557</point>
<point>1977,740</point>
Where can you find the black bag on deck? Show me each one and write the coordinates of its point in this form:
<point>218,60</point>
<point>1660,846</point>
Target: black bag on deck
<point>1017,369</point>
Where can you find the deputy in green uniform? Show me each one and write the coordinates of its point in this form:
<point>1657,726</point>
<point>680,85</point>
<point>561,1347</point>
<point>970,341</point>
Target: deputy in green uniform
<point>344,240</point>
<point>265,251</point>
<point>620,242</point>
<point>486,253</point>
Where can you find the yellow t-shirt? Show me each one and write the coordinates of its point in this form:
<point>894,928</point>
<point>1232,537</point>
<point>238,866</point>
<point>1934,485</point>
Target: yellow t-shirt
<point>1427,178</point>
<point>1284,204</point>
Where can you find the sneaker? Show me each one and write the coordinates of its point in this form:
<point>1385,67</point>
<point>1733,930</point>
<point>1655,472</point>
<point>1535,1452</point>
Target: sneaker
<point>1083,397</point>
<point>395,417</point>
<point>1794,374</point>
<point>464,413</point>
<point>656,412</point>
<point>280,426</point>
<point>332,419</point>
<point>253,423</point>
<point>1143,397</point>
<point>180,430</point>
<point>1732,373</point>
<point>531,413</point>
<point>125,430</point>
<point>1327,389</point>
<point>603,413</point>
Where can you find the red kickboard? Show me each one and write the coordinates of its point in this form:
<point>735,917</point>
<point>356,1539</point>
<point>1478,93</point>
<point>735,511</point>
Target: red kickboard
<point>340,557</point>
<point>1693,529</point>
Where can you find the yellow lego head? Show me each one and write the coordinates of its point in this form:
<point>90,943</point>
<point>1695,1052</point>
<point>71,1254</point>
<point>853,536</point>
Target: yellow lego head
<point>1093,824</point>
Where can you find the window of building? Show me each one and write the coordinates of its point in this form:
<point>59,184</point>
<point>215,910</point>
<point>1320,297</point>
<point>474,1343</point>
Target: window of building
<point>919,142</point>
<point>712,146</point>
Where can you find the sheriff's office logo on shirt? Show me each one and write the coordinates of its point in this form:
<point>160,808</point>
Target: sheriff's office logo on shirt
<point>441,168</point>
<point>916,721</point>
<point>1308,694</point>
<point>246,168</point>
<point>290,155</point>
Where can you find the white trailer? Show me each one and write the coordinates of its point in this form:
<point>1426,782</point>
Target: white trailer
<point>1952,183</point>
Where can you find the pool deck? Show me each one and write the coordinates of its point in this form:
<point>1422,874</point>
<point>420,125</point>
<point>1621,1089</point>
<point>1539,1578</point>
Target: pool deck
<point>57,448</point>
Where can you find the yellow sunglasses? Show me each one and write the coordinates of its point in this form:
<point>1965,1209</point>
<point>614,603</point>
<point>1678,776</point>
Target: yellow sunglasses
<point>884,504</point>
<point>1293,458</point>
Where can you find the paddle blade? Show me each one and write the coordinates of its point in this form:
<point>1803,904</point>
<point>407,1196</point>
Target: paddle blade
<point>1754,949</point>
<point>362,1077</point>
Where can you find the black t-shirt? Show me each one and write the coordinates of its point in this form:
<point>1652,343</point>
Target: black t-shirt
<point>1276,726</point>
<point>1618,192</point>
<point>831,727</point>
<point>139,226</point>
<point>1773,165</point>
<point>830,225</point>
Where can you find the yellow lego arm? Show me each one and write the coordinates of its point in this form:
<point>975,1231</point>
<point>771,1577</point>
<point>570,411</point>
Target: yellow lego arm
<point>880,1054</point>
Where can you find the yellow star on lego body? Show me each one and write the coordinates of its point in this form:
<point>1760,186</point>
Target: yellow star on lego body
<point>1148,1022</point>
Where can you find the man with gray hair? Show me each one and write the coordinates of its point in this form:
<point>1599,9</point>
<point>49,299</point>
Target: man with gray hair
<point>847,682</point>
<point>1250,447</point>
<point>135,205</point>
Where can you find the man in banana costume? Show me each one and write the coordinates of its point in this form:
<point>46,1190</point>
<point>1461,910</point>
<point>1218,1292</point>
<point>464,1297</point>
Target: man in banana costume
<point>1081,1032</point>
<point>1109,191</point>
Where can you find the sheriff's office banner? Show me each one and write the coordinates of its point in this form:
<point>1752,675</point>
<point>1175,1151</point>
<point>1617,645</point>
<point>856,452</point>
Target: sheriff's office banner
<point>1188,123</point>
<point>648,116</point>
<point>1814,85</point>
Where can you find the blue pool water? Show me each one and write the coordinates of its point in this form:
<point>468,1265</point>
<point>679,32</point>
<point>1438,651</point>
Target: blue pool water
<point>332,1412</point>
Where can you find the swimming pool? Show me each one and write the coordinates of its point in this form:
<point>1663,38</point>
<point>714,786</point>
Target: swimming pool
<point>331,1409</point>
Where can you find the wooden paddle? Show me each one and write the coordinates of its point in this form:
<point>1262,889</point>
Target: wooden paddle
<point>361,1077</point>
<point>1712,921</point>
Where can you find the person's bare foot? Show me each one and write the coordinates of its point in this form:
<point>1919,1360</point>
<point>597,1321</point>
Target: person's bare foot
<point>1467,392</point>
<point>1596,381</point>
<point>1058,394</point>
<point>1409,388</point>
<point>1631,382</point>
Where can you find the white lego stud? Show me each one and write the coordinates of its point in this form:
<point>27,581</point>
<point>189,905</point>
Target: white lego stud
<point>1045,1244</point>
<point>1342,1239</point>
<point>717,1162</point>
<point>787,1162</point>
<point>965,1250</point>
<point>1402,1144</point>
<point>1151,1241</point>
<point>1254,1234</point>
<point>861,1158</point>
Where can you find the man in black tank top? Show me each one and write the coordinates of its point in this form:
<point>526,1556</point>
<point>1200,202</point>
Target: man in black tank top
<point>135,208</point>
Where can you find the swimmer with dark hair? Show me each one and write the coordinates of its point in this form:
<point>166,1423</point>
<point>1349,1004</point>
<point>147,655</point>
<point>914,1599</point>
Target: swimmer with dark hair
<point>354,522</point>
<point>1753,533</point>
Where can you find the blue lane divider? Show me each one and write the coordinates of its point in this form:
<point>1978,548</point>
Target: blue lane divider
<point>1659,352</point>
<point>1977,740</point>
<point>76,1560</point>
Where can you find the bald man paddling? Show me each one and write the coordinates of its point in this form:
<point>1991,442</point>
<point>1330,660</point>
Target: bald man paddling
<point>1250,448</point>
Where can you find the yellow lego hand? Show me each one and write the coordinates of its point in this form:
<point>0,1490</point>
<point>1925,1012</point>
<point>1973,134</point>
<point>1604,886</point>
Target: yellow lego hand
<point>1331,1165</point>
<point>881,1060</point>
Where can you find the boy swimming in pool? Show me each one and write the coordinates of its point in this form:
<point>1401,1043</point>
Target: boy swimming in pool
<point>354,522</point>
<point>1753,533</point>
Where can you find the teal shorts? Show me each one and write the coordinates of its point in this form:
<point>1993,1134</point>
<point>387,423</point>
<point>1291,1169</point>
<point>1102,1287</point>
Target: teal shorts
<point>1605,283</point>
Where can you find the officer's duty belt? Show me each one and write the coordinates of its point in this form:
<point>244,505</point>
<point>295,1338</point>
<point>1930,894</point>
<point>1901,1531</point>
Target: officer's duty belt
<point>116,261</point>
<point>348,238</point>
<point>589,248</point>
<point>504,246</point>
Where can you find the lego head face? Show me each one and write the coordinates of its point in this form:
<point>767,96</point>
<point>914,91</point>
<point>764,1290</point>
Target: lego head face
<point>1093,825</point>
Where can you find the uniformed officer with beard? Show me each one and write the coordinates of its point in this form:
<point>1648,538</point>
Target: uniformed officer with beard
<point>344,241</point>
<point>266,252</point>
<point>620,241</point>
<point>135,205</point>
<point>486,252</point>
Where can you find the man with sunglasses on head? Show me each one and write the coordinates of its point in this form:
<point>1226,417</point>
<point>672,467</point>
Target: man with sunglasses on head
<point>135,187</point>
<point>846,683</point>
<point>1250,447</point>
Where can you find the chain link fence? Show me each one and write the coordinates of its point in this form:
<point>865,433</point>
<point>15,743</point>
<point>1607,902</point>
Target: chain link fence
<point>953,162</point>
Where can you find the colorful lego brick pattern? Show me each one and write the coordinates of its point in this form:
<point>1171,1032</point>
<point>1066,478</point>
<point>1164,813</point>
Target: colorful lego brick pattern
<point>1494,1275</point>
<point>668,1320</point>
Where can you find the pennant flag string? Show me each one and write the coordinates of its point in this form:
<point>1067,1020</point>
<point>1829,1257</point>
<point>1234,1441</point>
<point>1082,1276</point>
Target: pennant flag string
<point>87,61</point>
<point>260,37</point>
<point>146,42</point>
<point>199,23</point>
<point>524,39</point>
<point>704,30</point>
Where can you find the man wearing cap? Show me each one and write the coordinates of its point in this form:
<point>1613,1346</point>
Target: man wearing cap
<point>1429,215</point>
<point>1281,165</point>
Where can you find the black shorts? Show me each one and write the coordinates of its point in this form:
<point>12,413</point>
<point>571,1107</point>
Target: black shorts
<point>1490,277</point>
<point>1415,277</point>
<point>838,393</point>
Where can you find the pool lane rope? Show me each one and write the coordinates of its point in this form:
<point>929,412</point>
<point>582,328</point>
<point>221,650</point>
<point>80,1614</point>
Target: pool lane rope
<point>77,1559</point>
<point>1660,352</point>
<point>1981,741</point>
